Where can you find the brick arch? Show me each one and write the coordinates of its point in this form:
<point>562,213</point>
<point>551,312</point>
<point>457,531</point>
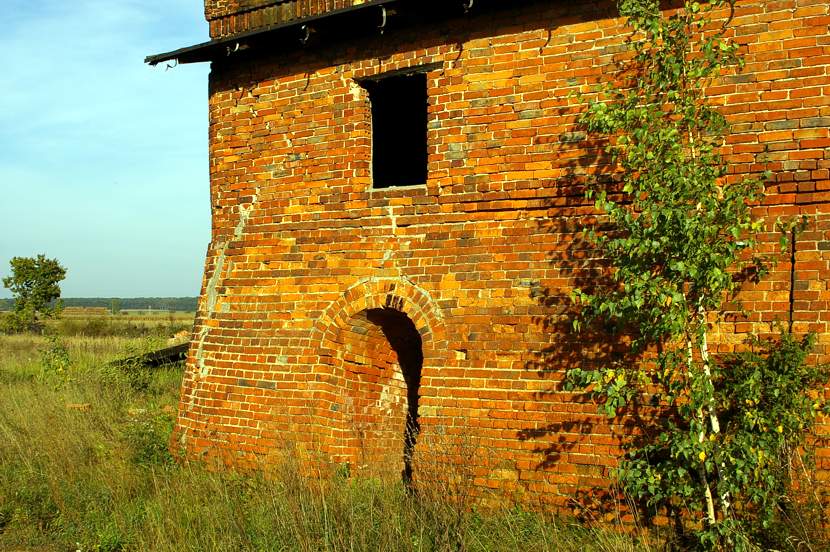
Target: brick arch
<point>395,294</point>
<point>342,336</point>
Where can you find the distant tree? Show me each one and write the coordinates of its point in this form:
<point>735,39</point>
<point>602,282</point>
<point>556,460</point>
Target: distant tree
<point>35,285</point>
<point>115,306</point>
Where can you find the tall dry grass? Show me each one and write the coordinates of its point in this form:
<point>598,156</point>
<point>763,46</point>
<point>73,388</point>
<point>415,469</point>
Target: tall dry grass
<point>84,466</point>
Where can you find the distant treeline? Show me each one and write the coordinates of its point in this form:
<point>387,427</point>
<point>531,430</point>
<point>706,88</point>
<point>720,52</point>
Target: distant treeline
<point>187,304</point>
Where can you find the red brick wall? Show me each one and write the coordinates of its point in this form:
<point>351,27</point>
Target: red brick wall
<point>302,247</point>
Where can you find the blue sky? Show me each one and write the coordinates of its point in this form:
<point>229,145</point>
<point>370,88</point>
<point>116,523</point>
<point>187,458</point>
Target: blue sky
<point>103,159</point>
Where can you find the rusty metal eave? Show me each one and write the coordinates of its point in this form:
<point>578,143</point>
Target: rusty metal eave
<point>208,51</point>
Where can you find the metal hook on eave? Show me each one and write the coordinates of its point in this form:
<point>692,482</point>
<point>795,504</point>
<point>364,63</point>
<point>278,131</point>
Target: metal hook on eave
<point>233,50</point>
<point>306,34</point>
<point>383,19</point>
<point>468,5</point>
<point>167,66</point>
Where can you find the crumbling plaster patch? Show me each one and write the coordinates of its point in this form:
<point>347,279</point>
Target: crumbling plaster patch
<point>211,289</point>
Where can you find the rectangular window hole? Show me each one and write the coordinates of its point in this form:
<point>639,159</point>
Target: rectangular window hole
<point>399,129</point>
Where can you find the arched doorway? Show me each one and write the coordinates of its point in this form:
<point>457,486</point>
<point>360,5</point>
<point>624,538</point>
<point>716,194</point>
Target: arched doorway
<point>381,359</point>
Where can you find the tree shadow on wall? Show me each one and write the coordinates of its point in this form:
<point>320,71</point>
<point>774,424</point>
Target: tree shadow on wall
<point>579,439</point>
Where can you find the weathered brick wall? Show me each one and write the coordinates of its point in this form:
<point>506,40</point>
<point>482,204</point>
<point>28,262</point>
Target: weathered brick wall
<point>288,351</point>
<point>229,17</point>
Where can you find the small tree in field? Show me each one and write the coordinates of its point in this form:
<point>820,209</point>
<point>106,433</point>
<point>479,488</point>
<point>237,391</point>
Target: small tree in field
<point>680,232</point>
<point>35,284</point>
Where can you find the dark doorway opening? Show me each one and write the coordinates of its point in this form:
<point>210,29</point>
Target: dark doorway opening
<point>381,352</point>
<point>405,340</point>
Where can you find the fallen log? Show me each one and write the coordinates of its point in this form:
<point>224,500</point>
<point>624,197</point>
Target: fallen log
<point>156,359</point>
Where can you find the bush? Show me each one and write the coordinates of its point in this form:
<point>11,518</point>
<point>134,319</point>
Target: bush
<point>148,437</point>
<point>767,401</point>
<point>54,360</point>
<point>15,323</point>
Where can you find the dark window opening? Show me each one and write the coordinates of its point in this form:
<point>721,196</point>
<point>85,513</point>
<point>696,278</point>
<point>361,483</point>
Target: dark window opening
<point>399,130</point>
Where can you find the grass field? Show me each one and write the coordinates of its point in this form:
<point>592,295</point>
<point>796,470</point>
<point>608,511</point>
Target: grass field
<point>84,466</point>
<point>99,322</point>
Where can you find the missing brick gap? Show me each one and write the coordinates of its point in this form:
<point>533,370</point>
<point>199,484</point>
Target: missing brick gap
<point>394,219</point>
<point>355,91</point>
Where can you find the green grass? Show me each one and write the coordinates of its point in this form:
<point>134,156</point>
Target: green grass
<point>100,477</point>
<point>144,324</point>
<point>122,325</point>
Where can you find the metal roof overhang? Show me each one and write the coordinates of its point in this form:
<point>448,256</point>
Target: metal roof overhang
<point>370,16</point>
<point>207,51</point>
